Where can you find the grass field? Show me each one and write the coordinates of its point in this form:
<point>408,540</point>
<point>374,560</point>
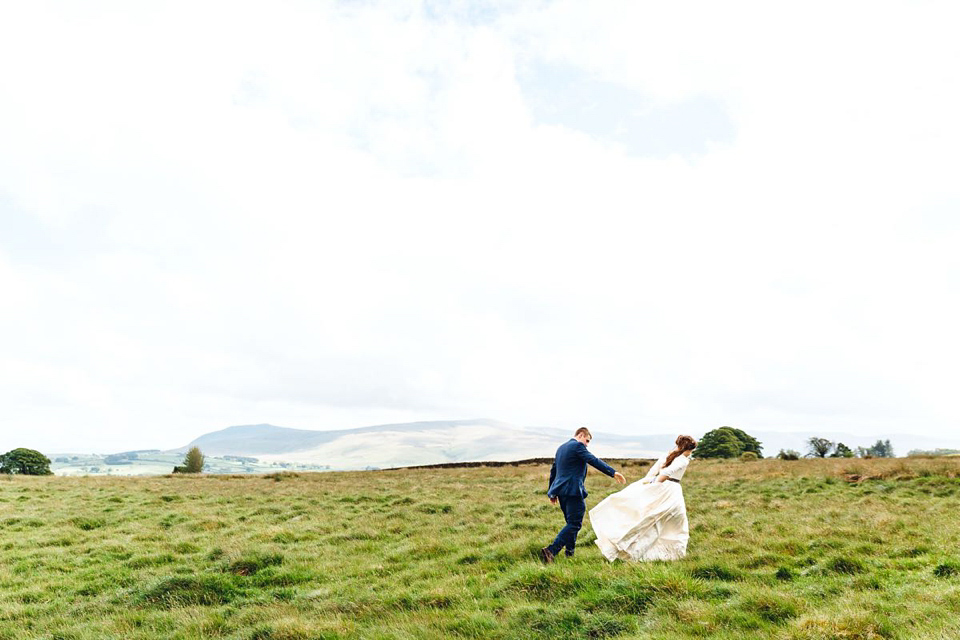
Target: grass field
<point>852,549</point>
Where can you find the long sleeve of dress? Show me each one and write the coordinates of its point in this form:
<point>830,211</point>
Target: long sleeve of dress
<point>676,468</point>
<point>654,471</point>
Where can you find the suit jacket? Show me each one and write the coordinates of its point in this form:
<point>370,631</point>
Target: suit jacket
<point>570,469</point>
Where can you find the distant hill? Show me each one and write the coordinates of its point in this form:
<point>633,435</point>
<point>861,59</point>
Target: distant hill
<point>270,439</point>
<point>423,443</point>
<point>414,443</point>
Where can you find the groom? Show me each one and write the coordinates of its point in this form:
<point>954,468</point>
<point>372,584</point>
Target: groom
<point>566,487</point>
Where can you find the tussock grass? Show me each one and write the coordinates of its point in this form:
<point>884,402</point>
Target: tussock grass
<point>791,550</point>
<point>254,562</point>
<point>947,570</point>
<point>188,590</point>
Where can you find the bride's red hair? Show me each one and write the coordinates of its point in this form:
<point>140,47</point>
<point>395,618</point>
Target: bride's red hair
<point>684,443</point>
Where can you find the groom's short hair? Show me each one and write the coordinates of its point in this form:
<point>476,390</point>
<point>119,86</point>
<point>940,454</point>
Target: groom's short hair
<point>583,431</point>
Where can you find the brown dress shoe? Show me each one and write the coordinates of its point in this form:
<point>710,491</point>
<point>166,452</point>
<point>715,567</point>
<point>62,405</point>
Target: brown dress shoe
<point>546,556</point>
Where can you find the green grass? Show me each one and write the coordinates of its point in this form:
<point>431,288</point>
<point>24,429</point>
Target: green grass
<point>813,549</point>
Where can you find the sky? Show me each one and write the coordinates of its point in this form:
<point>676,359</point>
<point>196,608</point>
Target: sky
<point>642,217</point>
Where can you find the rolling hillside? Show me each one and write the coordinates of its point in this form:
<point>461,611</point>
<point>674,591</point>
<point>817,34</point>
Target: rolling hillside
<point>417,443</point>
<point>805,550</point>
<point>421,443</point>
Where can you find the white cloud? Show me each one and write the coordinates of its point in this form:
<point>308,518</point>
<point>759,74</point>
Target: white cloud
<point>338,215</point>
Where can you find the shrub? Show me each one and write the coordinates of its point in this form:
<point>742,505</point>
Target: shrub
<point>789,454</point>
<point>749,456</point>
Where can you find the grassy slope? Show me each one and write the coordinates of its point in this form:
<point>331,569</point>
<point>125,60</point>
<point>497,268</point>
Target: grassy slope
<point>778,550</point>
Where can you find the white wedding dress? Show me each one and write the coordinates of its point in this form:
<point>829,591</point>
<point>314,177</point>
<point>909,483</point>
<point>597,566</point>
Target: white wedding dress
<point>647,520</point>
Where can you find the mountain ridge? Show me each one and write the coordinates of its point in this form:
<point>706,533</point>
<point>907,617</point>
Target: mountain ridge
<point>406,444</point>
<point>475,440</point>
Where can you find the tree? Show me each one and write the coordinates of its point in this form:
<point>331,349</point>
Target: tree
<point>25,461</point>
<point>841,451</point>
<point>819,447</point>
<point>193,461</point>
<point>882,449</point>
<point>727,442</point>
<point>789,454</point>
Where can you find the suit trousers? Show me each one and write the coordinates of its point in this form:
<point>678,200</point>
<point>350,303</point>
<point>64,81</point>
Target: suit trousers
<point>573,508</point>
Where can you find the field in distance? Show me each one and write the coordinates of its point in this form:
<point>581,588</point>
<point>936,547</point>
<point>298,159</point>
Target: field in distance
<point>812,549</point>
<point>147,463</point>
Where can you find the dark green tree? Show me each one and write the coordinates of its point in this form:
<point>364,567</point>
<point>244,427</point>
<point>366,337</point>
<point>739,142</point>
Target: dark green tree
<point>194,460</point>
<point>819,447</point>
<point>727,442</point>
<point>841,450</point>
<point>882,449</point>
<point>26,462</point>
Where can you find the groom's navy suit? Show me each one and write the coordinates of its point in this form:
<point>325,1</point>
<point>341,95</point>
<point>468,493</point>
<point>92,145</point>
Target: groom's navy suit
<point>566,484</point>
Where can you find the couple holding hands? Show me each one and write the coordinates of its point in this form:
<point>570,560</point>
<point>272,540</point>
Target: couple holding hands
<point>645,521</point>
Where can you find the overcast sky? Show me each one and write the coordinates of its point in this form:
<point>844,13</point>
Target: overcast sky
<point>644,217</point>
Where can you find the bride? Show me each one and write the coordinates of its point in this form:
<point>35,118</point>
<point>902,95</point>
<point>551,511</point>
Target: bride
<point>648,519</point>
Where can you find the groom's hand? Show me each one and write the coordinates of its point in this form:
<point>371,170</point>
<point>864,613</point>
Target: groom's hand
<point>619,478</point>
<point>553,499</point>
